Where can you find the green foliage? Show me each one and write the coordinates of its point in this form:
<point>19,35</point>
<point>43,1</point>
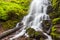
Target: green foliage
<point>56,9</point>
<point>56,21</point>
<point>6,7</point>
<point>53,30</point>
<point>54,34</point>
<point>9,24</point>
<point>54,3</point>
<point>13,11</point>
<point>19,7</point>
<point>55,16</point>
<point>24,3</point>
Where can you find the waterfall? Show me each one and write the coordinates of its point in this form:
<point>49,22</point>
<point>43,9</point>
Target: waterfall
<point>37,13</point>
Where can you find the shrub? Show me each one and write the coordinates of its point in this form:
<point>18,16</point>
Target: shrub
<point>6,7</point>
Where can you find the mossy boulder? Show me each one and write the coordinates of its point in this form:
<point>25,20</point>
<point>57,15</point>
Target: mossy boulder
<point>32,33</point>
<point>35,34</point>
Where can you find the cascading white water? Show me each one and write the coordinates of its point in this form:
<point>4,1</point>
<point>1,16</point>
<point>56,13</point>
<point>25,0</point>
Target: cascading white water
<point>37,13</point>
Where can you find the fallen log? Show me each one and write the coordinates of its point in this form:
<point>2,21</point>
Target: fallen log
<point>6,33</point>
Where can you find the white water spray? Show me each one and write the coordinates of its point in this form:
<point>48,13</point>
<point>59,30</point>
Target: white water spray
<point>37,13</point>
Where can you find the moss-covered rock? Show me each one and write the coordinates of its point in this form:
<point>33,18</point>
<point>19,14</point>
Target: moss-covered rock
<point>32,33</point>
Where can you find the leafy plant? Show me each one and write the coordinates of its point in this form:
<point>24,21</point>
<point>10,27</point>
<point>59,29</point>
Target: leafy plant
<point>5,7</point>
<point>54,34</point>
<point>56,9</point>
<point>56,21</point>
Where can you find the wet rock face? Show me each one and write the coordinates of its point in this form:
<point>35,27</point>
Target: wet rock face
<point>46,24</point>
<point>57,26</point>
<point>49,9</point>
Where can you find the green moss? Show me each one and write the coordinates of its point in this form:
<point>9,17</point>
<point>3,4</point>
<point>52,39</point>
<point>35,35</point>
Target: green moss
<point>32,33</point>
<point>37,34</point>
<point>9,24</point>
<point>6,7</point>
